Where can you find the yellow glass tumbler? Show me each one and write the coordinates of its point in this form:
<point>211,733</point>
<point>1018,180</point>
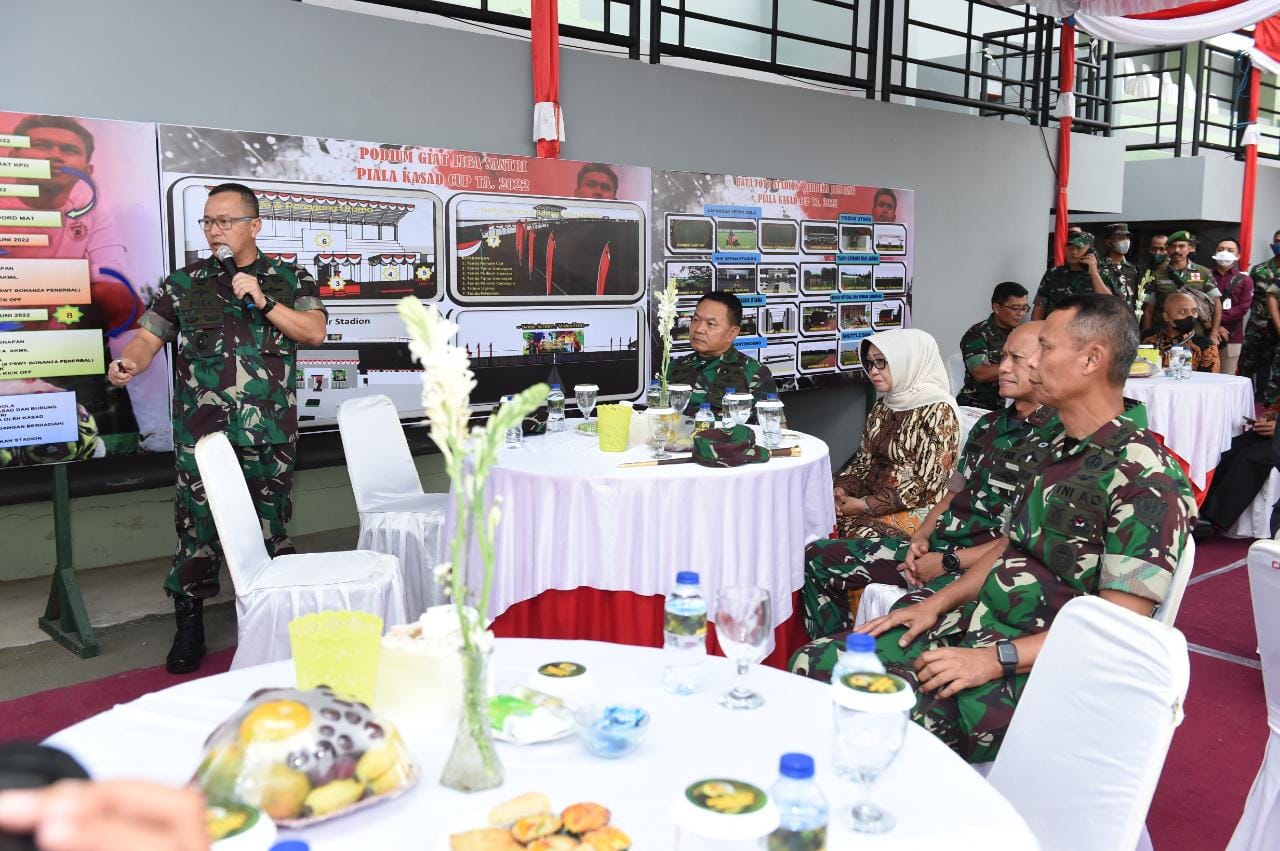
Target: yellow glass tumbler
<point>337,649</point>
<point>614,425</point>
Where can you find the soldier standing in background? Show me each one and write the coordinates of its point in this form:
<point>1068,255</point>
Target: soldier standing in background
<point>1181,275</point>
<point>1078,275</point>
<point>235,372</point>
<point>1116,270</point>
<point>1262,329</point>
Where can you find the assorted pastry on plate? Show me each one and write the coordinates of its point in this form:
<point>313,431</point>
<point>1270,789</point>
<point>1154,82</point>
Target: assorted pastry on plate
<point>529,822</point>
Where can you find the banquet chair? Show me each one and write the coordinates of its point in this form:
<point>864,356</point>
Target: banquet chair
<point>955,371</point>
<point>1080,771</point>
<point>270,592</point>
<point>396,517</point>
<point>1259,825</point>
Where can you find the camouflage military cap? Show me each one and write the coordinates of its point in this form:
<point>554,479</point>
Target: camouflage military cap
<point>718,447</point>
<point>1081,238</point>
<point>1181,236</point>
<point>1118,229</point>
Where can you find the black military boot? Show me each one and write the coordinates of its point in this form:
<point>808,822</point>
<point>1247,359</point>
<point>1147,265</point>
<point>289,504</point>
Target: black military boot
<point>188,644</point>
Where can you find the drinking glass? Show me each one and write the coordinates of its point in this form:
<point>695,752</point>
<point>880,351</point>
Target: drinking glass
<point>585,396</point>
<point>662,425</point>
<point>678,396</point>
<point>868,738</point>
<point>744,620</point>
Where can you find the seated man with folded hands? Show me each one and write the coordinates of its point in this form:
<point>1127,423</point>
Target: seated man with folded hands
<point>1107,513</point>
<point>956,530</point>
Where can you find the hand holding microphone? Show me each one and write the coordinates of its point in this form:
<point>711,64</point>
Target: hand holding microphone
<point>245,286</point>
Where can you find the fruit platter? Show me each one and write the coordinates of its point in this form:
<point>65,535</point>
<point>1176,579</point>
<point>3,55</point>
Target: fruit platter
<point>304,756</point>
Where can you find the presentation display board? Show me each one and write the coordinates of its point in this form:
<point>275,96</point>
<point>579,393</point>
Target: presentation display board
<point>541,267</point>
<point>818,266</point>
<point>80,257</point>
<point>547,267</point>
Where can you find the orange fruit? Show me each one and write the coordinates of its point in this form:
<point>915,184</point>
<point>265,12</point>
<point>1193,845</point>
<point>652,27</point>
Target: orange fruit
<point>275,720</point>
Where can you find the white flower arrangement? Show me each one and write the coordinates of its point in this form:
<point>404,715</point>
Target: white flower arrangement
<point>666,300</point>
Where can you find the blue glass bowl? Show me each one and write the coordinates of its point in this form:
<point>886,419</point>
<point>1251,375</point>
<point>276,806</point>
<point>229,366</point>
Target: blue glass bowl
<point>611,730</point>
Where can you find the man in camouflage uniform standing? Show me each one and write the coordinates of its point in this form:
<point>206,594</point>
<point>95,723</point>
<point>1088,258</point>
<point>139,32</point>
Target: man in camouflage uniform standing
<point>1108,514</point>
<point>235,372</point>
<point>982,346</point>
<point>1120,275</point>
<point>1262,329</point>
<point>715,366</point>
<point>1078,275</point>
<point>1181,275</point>
<point>998,457</point>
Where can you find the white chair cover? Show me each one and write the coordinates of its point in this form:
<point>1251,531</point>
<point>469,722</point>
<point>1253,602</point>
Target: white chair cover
<point>1086,746</point>
<point>877,599</point>
<point>271,592</point>
<point>1255,521</point>
<point>396,517</point>
<point>1259,826</point>
<point>955,369</point>
<point>1167,611</point>
<point>968,416</point>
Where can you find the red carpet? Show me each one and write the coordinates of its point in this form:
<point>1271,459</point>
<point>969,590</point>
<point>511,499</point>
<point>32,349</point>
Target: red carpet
<point>40,715</point>
<point>1211,764</point>
<point>1217,750</point>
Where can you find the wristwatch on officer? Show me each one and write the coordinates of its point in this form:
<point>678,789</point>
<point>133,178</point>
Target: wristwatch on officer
<point>1007,653</point>
<point>267,304</point>
<point>951,562</point>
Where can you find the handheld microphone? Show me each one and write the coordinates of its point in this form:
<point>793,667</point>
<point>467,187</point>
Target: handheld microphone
<point>227,258</point>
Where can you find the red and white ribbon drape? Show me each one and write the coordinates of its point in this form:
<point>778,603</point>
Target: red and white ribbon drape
<point>548,121</point>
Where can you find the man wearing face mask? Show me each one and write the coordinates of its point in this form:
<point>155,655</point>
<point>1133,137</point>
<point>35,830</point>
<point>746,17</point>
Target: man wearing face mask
<point>1181,275</point>
<point>1262,328</point>
<point>1237,296</point>
<point>1179,329</point>
<point>1116,270</point>
<point>1157,261</point>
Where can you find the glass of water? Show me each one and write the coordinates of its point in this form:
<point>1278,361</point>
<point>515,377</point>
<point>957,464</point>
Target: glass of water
<point>662,425</point>
<point>871,724</point>
<point>585,396</point>
<point>744,620</point>
<point>737,408</point>
<point>678,396</point>
<point>769,415</point>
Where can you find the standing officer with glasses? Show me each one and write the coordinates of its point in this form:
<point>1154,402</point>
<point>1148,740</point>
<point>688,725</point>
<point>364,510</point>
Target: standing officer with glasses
<point>235,371</point>
<point>982,346</point>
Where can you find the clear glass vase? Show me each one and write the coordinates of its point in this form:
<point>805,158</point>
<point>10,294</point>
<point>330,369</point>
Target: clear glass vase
<point>473,763</point>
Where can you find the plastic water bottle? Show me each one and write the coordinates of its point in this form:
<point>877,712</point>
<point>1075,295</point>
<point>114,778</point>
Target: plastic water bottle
<point>684,628</point>
<point>515,434</point>
<point>654,398</point>
<point>555,409</point>
<point>704,418</point>
<point>769,414</point>
<point>859,654</point>
<point>802,808</point>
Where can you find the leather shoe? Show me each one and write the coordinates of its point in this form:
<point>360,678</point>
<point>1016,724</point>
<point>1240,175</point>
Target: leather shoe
<point>188,643</point>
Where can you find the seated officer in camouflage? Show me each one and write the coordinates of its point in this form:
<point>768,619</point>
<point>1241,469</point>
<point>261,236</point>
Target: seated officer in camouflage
<point>956,534</point>
<point>1181,275</point>
<point>1108,514</point>
<point>1080,274</point>
<point>715,365</point>
<point>235,372</point>
<point>982,346</point>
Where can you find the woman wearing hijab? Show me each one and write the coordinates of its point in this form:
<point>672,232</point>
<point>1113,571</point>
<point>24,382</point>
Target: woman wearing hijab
<point>909,448</point>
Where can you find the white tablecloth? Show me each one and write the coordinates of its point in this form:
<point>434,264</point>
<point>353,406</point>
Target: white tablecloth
<point>1198,417</point>
<point>939,800</point>
<point>572,517</point>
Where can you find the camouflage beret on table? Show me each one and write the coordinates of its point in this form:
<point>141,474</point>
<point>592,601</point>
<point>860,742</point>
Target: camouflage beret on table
<point>1181,236</point>
<point>1080,238</point>
<point>718,447</point>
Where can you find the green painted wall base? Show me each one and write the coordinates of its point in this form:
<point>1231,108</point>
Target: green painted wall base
<point>123,528</point>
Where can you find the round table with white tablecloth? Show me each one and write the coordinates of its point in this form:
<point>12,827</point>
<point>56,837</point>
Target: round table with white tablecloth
<point>572,517</point>
<point>1197,417</point>
<point>937,798</point>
